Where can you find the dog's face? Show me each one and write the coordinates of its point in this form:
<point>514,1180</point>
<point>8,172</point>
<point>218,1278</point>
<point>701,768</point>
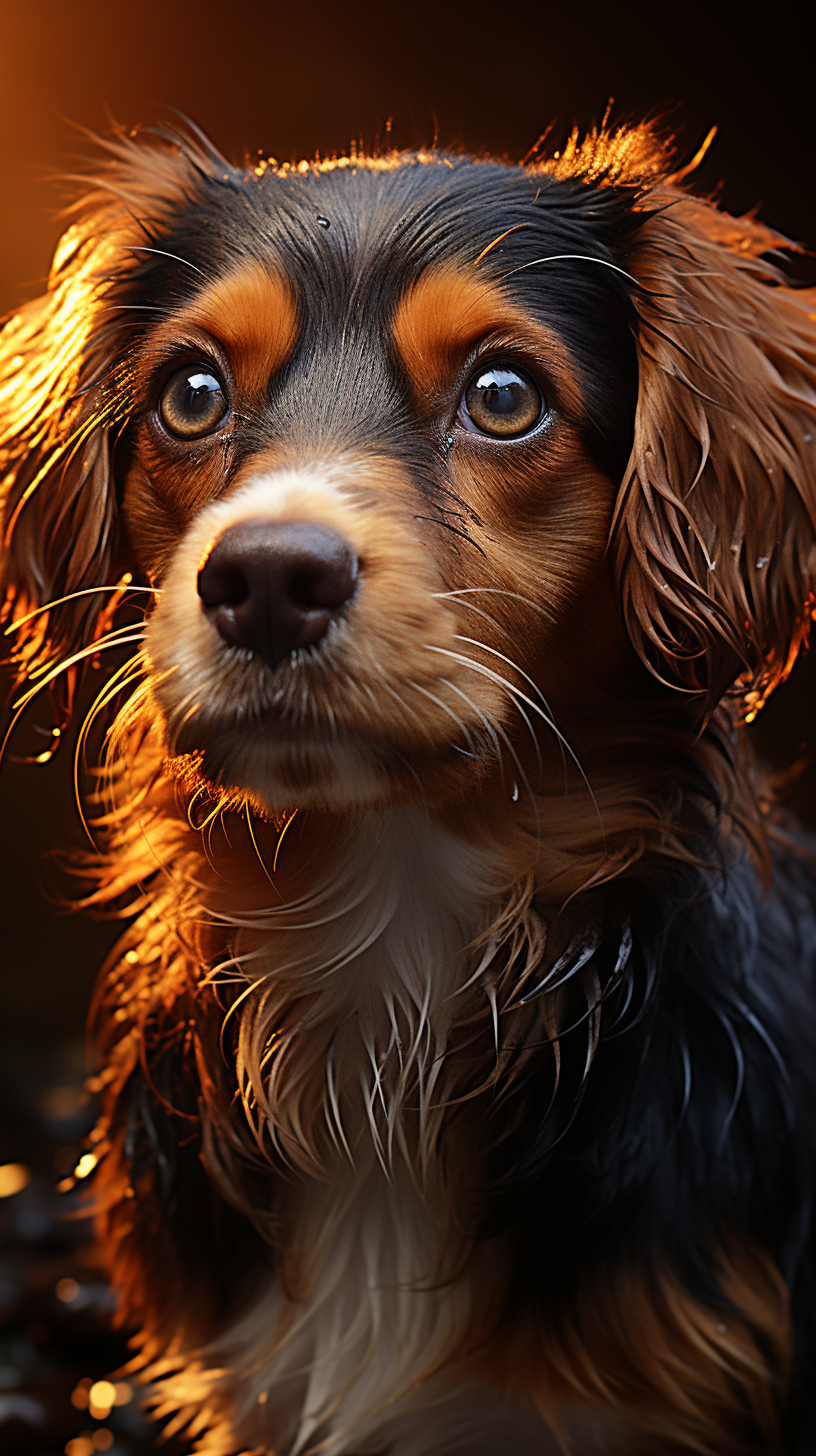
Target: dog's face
<point>373,478</point>
<point>367,429</point>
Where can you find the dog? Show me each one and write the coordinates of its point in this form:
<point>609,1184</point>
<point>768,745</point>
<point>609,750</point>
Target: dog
<point>456,1064</point>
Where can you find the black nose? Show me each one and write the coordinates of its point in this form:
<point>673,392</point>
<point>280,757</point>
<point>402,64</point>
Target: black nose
<point>274,586</point>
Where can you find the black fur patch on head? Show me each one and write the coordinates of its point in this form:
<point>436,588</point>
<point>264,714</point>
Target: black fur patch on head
<point>562,262</point>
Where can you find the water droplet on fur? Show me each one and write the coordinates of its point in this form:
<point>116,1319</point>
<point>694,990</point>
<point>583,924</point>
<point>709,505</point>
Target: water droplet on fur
<point>323,221</point>
<point>514,795</point>
<point>762,561</point>
<point>808,437</point>
<point>293,657</point>
<point>249,654</point>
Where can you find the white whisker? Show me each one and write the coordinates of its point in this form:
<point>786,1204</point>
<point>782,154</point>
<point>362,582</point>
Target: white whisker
<point>574,258</point>
<point>496,592</point>
<point>516,693</point>
<point>562,742</point>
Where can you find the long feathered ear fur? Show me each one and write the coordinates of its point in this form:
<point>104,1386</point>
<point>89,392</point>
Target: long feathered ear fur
<point>65,396</point>
<point>715,533</point>
<point>56,417</point>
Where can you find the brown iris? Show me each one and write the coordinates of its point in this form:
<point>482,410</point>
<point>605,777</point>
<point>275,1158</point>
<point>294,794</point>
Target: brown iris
<point>502,401</point>
<point>193,402</point>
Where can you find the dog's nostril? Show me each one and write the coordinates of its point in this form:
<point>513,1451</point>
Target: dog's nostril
<point>274,586</point>
<point>221,585</point>
<point>323,584</point>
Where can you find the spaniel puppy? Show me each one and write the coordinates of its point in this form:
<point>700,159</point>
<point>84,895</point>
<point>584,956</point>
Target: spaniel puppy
<point>456,1066</point>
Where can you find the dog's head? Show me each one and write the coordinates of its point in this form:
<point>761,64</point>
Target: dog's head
<point>428,459</point>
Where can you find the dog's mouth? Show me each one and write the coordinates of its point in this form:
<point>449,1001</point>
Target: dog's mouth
<point>280,759</point>
<point>287,733</point>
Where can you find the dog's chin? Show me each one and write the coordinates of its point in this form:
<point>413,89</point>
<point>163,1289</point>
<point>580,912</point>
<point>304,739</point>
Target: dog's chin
<point>345,775</point>
<point>338,774</point>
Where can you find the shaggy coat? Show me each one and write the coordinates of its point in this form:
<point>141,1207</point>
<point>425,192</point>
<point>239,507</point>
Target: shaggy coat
<point>456,1066</point>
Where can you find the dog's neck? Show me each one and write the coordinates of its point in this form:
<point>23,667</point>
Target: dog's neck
<point>353,985</point>
<point>360,968</point>
<point>356,957</point>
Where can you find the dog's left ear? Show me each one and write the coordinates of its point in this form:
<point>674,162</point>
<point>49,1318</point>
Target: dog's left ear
<point>714,539</point>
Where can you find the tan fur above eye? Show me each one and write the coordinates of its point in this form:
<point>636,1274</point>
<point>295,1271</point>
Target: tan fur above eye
<point>440,318</point>
<point>251,313</point>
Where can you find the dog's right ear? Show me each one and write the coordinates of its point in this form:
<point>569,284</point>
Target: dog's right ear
<point>65,396</point>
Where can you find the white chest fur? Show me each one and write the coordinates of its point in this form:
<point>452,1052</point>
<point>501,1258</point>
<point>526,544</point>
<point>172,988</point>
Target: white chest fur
<point>343,1056</point>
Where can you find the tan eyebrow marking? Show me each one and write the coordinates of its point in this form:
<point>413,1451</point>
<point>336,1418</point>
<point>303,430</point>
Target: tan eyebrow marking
<point>446,312</point>
<point>251,312</point>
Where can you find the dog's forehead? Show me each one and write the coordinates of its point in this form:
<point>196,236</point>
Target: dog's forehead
<point>366,227</point>
<point>327,271</point>
<point>350,239</point>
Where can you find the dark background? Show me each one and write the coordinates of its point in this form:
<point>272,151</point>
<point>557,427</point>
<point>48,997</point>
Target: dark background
<point>288,79</point>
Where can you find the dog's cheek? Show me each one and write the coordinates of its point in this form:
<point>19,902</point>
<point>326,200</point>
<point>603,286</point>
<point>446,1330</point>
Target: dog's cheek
<point>150,530</point>
<point>163,491</point>
<point>542,526</point>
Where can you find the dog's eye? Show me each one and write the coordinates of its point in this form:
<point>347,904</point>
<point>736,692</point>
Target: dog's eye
<point>501,401</point>
<point>193,402</point>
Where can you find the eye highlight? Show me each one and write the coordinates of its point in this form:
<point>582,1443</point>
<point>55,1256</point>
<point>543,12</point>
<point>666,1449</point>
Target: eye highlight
<point>193,402</point>
<point>501,401</point>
